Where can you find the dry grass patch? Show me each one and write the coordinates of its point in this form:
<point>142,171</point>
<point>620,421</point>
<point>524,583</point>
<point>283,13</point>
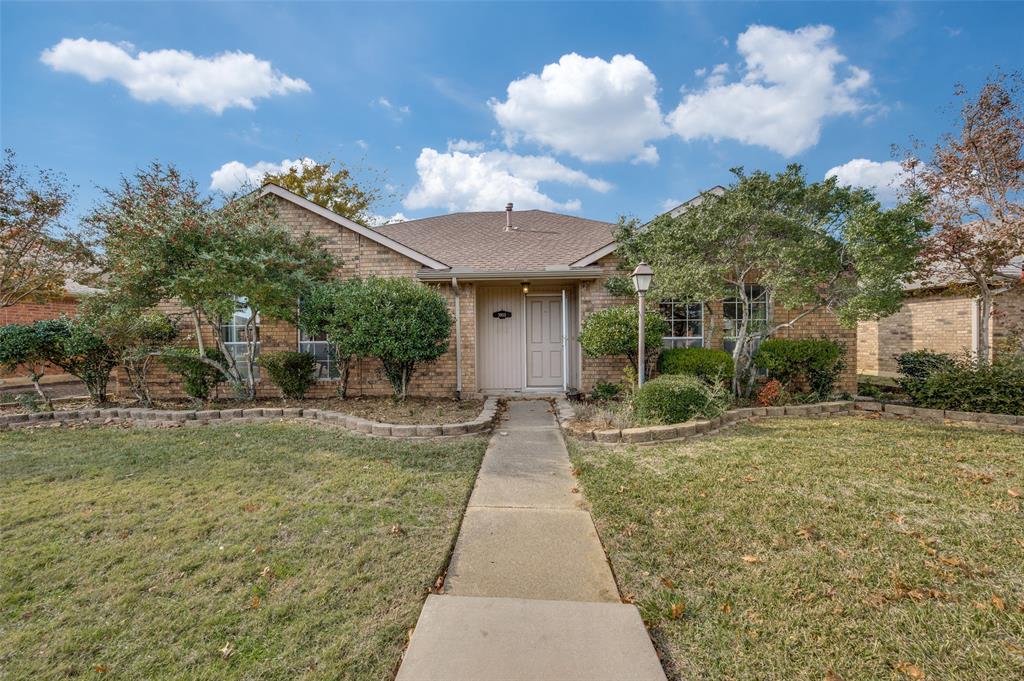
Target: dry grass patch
<point>272,552</point>
<point>796,549</point>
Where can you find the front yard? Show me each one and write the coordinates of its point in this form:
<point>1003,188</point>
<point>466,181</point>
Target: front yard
<point>845,548</point>
<point>271,551</point>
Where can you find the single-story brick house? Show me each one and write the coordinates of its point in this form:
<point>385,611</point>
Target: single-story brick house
<point>940,314</point>
<point>519,285</point>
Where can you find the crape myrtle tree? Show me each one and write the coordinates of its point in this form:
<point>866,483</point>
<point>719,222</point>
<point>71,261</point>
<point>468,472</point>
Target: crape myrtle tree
<point>811,246</point>
<point>23,347</point>
<point>975,183</point>
<point>327,310</point>
<point>164,240</point>
<point>37,253</point>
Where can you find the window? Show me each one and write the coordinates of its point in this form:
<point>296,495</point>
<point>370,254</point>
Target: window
<point>233,333</point>
<point>686,324</point>
<point>757,313</point>
<point>326,359</point>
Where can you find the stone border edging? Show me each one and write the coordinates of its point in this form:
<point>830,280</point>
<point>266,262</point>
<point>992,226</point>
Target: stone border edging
<point>699,427</point>
<point>171,418</point>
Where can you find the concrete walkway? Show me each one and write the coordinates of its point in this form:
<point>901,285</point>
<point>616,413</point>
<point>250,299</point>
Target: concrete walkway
<point>529,593</point>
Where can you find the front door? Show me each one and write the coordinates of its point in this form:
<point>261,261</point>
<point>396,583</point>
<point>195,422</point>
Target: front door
<point>544,341</point>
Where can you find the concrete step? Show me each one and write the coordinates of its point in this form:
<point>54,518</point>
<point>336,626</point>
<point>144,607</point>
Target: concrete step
<point>530,553</point>
<point>462,638</point>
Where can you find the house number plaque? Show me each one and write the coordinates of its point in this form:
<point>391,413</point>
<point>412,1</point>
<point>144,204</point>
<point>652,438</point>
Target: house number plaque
<point>502,314</point>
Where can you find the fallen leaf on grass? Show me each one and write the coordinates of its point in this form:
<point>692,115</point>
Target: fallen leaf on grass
<point>575,490</point>
<point>808,532</point>
<point>255,602</point>
<point>750,559</point>
<point>726,608</point>
<point>1013,492</point>
<point>100,669</point>
<point>998,603</point>
<point>678,608</point>
<point>395,530</point>
<point>227,650</point>
<point>1015,649</point>
<point>669,584</point>
<point>832,676</point>
<point>909,670</point>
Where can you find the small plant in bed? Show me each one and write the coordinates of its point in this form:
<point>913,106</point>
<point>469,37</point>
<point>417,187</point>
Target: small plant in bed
<point>292,372</point>
<point>674,399</point>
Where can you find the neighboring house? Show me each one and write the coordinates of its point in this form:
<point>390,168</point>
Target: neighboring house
<point>519,285</point>
<point>940,314</point>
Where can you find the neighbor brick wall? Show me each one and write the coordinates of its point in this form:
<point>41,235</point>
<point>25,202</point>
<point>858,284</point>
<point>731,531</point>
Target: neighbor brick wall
<point>821,323</point>
<point>1008,316</point>
<point>362,257</point>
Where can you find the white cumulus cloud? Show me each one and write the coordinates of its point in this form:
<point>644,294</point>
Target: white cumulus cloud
<point>883,177</point>
<point>234,175</point>
<point>174,76</point>
<point>791,82</point>
<point>458,181</point>
<point>593,109</point>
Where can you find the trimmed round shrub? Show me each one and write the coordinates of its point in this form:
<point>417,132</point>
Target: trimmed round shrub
<point>707,364</point>
<point>605,391</point>
<point>613,332</point>
<point>674,399</point>
<point>809,366</point>
<point>293,372</point>
<point>199,378</point>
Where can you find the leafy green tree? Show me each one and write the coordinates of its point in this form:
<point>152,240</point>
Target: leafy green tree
<point>23,347</point>
<point>401,323</point>
<point>328,310</point>
<point>333,186</point>
<point>614,332</point>
<point>135,336</point>
<point>812,246</point>
<point>165,241</point>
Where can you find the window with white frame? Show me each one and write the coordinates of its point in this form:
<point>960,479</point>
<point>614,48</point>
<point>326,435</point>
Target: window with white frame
<point>685,322</point>
<point>324,353</point>
<point>757,313</point>
<point>233,332</point>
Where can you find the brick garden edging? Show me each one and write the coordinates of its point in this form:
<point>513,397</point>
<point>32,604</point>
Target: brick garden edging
<point>166,418</point>
<point>700,427</point>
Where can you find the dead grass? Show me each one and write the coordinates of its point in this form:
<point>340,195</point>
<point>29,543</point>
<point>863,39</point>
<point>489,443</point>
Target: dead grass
<point>796,549</point>
<point>271,552</point>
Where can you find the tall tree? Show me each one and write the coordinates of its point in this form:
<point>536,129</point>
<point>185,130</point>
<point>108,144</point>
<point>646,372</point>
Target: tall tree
<point>811,246</point>
<point>975,180</point>
<point>333,186</point>
<point>37,253</point>
<point>227,265</point>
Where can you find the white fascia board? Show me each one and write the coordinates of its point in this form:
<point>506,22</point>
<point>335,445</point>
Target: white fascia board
<point>370,234</point>
<point>596,255</point>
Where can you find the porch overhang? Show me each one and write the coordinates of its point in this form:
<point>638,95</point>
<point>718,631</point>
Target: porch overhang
<point>560,274</point>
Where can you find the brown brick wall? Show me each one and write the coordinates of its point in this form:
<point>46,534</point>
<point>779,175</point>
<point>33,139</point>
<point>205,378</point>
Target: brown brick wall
<point>822,323</point>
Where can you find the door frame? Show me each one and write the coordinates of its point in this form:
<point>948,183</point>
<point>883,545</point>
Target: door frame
<point>561,296</point>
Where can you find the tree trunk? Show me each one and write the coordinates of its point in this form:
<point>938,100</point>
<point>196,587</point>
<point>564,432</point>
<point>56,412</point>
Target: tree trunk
<point>984,322</point>
<point>36,377</point>
<point>343,386</point>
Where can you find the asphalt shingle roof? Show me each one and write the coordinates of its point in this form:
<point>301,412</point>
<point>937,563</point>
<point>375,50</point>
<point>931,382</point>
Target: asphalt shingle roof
<point>478,241</point>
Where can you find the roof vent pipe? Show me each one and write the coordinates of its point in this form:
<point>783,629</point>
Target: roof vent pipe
<point>508,216</point>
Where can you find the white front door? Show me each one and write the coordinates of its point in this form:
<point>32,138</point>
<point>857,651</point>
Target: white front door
<point>544,341</point>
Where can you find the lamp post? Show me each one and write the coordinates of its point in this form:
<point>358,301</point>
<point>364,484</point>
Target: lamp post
<point>642,277</point>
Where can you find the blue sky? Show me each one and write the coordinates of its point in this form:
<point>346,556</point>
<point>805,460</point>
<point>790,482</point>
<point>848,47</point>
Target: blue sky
<point>594,109</point>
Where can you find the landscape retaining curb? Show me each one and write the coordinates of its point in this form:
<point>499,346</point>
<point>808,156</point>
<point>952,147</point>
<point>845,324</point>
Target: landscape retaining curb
<point>700,427</point>
<point>166,418</point>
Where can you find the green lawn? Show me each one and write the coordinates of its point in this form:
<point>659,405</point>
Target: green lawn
<point>796,549</point>
<point>269,552</point>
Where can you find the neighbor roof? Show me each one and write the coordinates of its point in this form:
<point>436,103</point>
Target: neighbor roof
<point>479,242</point>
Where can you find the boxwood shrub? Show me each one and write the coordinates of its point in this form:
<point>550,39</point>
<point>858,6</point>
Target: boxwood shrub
<point>293,372</point>
<point>707,364</point>
<point>676,398</point>
<point>809,366</point>
<point>198,377</point>
<point>961,385</point>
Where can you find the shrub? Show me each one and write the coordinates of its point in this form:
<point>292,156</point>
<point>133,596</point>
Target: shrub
<point>963,386</point>
<point>771,393</point>
<point>674,399</point>
<point>705,363</point>
<point>23,347</point>
<point>915,368</point>
<point>293,372</point>
<point>199,377</point>
<point>809,366</point>
<point>401,323</point>
<point>75,346</point>
<point>604,391</point>
<point>612,332</point>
